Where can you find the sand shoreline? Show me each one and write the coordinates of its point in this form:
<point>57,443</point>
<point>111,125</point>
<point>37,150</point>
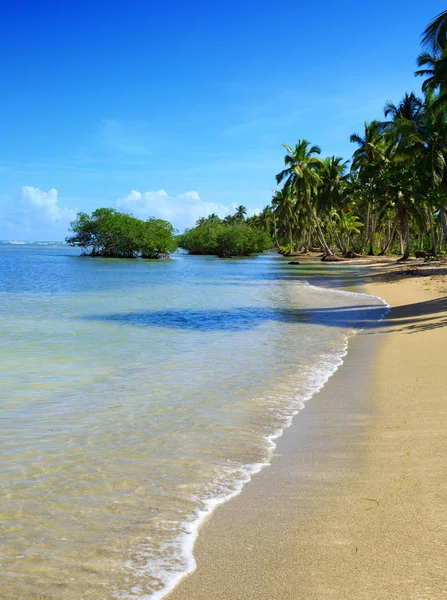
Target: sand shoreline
<point>355,504</point>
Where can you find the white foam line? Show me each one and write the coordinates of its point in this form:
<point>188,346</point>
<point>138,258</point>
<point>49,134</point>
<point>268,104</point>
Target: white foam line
<point>191,528</point>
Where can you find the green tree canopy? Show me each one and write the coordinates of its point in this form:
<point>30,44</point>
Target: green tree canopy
<point>110,233</point>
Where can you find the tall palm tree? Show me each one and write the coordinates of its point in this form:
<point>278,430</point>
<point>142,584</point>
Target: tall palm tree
<point>367,158</point>
<point>284,208</point>
<point>301,176</point>
<point>331,198</point>
<point>422,148</point>
<point>407,117</point>
<point>433,137</point>
<point>333,176</point>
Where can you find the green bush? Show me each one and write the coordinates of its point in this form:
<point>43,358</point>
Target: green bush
<point>224,239</point>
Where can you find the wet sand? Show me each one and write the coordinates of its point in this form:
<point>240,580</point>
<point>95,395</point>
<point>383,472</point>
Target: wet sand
<point>354,504</point>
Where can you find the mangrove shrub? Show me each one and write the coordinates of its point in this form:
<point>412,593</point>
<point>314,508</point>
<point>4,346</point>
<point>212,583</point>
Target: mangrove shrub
<point>223,239</point>
<point>110,233</point>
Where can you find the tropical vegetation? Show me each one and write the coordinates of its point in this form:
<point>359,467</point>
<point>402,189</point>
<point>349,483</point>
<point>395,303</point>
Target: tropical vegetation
<point>110,233</point>
<point>391,196</point>
<point>233,236</point>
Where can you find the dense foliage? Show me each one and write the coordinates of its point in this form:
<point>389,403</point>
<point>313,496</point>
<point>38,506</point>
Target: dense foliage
<point>107,232</point>
<point>233,236</point>
<point>394,196</point>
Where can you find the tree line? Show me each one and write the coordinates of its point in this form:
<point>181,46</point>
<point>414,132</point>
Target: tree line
<point>393,198</point>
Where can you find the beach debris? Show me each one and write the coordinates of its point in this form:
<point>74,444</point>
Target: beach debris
<point>370,500</point>
<point>420,254</point>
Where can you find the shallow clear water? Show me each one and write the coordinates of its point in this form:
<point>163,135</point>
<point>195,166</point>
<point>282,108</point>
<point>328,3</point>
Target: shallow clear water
<point>133,394</point>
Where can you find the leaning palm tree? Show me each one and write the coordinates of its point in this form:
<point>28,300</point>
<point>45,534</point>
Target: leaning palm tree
<point>301,176</point>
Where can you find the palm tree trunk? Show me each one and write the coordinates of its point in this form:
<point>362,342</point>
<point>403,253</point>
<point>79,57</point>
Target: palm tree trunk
<point>432,233</point>
<point>406,228</point>
<point>275,233</point>
<point>390,240</point>
<point>372,235</point>
<point>443,215</point>
<point>290,237</point>
<point>317,228</point>
<point>348,234</point>
<point>365,237</point>
<point>338,241</point>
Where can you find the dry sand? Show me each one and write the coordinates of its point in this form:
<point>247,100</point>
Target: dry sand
<point>354,504</point>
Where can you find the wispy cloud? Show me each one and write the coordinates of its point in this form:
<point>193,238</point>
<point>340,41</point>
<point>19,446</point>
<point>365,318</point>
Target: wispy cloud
<point>124,138</point>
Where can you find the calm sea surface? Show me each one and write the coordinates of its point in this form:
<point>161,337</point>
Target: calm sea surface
<point>135,395</point>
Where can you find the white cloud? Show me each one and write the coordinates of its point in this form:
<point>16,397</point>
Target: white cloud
<point>182,210</point>
<point>44,207</point>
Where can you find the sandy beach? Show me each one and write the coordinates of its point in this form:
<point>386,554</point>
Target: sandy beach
<point>354,503</point>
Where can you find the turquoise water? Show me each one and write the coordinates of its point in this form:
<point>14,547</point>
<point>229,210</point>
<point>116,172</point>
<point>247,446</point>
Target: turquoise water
<point>135,395</point>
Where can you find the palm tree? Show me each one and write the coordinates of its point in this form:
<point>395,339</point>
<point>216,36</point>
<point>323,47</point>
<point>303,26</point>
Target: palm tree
<point>240,213</point>
<point>433,137</point>
<point>409,108</point>
<point>331,198</point>
<point>302,177</point>
<point>399,183</point>
<point>284,207</point>
<point>367,159</point>
<point>422,150</point>
<point>370,146</point>
<point>434,69</point>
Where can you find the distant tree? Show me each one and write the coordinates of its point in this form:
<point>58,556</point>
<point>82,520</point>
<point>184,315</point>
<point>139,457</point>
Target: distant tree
<point>240,213</point>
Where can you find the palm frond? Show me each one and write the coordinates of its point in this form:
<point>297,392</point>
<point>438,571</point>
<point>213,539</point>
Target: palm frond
<point>435,34</point>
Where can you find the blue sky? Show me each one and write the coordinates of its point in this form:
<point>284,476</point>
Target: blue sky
<point>179,109</point>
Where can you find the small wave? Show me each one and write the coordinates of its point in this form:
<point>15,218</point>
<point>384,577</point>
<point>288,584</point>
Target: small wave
<point>183,544</point>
